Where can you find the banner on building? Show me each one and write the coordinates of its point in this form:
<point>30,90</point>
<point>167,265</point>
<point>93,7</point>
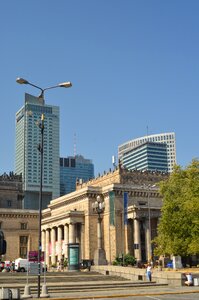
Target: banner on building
<point>112,207</point>
<point>125,208</point>
<point>33,256</point>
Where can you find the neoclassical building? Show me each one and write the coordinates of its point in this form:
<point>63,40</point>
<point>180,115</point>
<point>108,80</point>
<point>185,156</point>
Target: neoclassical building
<point>20,226</point>
<point>129,218</point>
<point>11,191</point>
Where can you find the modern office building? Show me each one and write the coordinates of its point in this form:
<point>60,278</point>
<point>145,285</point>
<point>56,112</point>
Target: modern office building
<point>164,138</point>
<point>73,169</point>
<point>27,156</point>
<point>148,156</point>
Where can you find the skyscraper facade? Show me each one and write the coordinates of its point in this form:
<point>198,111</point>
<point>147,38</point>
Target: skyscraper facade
<point>27,156</point>
<point>73,168</point>
<point>165,138</point>
<point>148,156</point>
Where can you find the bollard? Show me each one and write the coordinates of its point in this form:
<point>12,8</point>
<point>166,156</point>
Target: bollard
<point>5,293</point>
<point>44,292</point>
<point>196,281</point>
<point>15,293</point>
<point>27,293</point>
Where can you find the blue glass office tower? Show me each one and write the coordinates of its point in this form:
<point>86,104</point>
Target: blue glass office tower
<point>74,168</point>
<point>148,156</point>
<point>27,156</point>
<point>167,138</point>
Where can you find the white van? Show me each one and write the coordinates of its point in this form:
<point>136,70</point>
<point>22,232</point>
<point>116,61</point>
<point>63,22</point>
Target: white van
<point>21,264</point>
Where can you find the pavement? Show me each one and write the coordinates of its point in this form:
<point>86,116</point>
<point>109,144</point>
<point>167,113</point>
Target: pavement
<point>122,293</point>
<point>70,286</point>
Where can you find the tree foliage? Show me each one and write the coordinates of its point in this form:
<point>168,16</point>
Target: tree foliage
<point>127,260</point>
<point>178,230</point>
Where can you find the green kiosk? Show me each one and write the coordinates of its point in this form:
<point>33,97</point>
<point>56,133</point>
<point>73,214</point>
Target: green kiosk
<point>73,257</point>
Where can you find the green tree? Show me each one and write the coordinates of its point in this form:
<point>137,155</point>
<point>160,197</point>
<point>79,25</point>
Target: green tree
<point>178,230</point>
<point>127,260</point>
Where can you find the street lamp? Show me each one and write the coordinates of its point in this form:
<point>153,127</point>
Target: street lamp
<point>149,187</point>
<point>40,148</point>
<point>66,84</point>
<point>99,256</point>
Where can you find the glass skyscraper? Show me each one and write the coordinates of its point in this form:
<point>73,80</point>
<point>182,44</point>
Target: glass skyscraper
<point>27,156</point>
<point>167,138</point>
<point>148,156</point>
<point>74,168</point>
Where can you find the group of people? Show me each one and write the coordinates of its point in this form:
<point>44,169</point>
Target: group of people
<point>60,265</point>
<point>189,277</point>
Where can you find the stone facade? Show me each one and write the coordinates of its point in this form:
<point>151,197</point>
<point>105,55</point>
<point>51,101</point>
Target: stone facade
<point>71,219</point>
<point>11,191</point>
<point>20,227</point>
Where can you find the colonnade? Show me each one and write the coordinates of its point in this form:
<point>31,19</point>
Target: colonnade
<point>55,241</point>
<point>140,239</point>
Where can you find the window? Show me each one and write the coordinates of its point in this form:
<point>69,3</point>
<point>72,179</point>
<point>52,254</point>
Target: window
<point>23,246</point>
<point>66,162</point>
<point>24,226</point>
<point>142,203</point>
<point>9,203</point>
<point>72,162</point>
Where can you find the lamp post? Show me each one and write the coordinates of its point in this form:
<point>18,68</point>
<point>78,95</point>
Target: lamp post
<point>149,219</point>
<point>41,148</point>
<point>99,256</point>
<point>149,187</point>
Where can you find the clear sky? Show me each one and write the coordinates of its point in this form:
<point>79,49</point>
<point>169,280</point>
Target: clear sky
<point>133,64</point>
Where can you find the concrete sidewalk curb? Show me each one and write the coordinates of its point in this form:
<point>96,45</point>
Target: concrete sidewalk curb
<point>122,295</point>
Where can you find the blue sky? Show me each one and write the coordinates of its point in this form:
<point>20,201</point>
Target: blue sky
<point>133,64</point>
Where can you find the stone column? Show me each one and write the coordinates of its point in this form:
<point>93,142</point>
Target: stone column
<point>66,240</point>
<point>59,237</point>
<point>43,240</point>
<point>148,241</point>
<point>47,246</point>
<point>72,237</point>
<point>99,254</point>
<point>53,240</point>
<point>137,241</point>
<point>78,228</point>
<point>82,241</point>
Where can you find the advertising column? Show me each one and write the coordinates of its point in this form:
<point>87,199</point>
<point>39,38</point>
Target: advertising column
<point>73,257</point>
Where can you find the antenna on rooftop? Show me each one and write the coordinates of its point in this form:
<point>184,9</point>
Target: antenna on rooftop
<point>74,145</point>
<point>147,132</point>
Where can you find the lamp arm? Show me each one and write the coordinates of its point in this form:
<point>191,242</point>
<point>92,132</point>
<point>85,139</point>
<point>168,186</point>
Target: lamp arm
<point>36,86</point>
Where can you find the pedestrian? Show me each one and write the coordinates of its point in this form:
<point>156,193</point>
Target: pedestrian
<point>62,264</point>
<point>58,265</point>
<point>189,280</point>
<point>148,272</point>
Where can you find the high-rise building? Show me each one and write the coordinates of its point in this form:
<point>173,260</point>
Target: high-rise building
<point>27,156</point>
<point>148,156</point>
<point>73,168</point>
<point>165,138</point>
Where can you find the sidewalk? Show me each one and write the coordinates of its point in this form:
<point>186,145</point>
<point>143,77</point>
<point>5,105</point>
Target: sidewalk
<point>142,291</point>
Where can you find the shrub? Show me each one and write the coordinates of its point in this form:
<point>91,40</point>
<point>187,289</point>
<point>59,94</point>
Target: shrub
<point>127,260</point>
